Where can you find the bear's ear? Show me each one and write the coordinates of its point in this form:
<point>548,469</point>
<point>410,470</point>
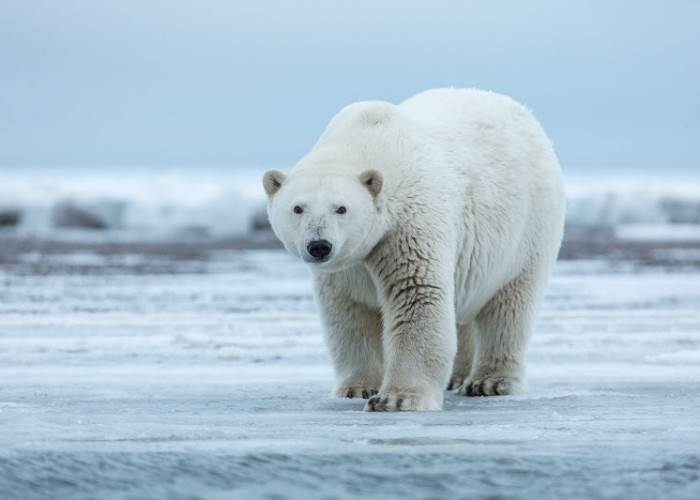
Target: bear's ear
<point>272,181</point>
<point>372,180</point>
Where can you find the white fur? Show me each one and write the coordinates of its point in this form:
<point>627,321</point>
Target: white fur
<point>443,260</point>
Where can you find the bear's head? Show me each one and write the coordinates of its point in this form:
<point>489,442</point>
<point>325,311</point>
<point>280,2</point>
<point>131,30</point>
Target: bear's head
<point>330,220</point>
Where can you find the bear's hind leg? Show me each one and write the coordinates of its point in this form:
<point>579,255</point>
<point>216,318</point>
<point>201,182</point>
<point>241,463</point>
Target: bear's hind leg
<point>466,343</point>
<point>504,327</point>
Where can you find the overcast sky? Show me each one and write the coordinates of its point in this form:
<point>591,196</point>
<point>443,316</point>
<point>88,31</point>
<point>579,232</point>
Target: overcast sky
<point>202,82</point>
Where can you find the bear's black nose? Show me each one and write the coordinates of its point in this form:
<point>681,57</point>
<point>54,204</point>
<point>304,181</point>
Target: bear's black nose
<point>319,249</point>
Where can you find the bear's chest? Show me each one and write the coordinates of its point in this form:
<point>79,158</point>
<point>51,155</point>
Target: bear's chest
<point>353,284</point>
<point>361,287</point>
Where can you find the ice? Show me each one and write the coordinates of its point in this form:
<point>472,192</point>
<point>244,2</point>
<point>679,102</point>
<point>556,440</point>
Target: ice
<point>209,379</point>
<point>151,204</point>
<point>133,204</point>
<point>664,232</point>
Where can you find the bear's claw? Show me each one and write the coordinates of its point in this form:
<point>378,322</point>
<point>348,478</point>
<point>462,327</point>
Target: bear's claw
<point>355,392</point>
<point>384,403</point>
<point>455,382</point>
<point>403,401</point>
<point>490,386</point>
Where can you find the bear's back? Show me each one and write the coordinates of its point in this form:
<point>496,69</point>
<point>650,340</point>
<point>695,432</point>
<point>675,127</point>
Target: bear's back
<point>459,108</point>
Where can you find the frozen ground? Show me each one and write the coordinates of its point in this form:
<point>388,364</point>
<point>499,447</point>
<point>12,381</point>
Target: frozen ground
<point>139,375</point>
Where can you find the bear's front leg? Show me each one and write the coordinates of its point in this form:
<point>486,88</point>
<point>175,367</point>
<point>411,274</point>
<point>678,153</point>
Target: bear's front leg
<point>416,288</point>
<point>353,335</point>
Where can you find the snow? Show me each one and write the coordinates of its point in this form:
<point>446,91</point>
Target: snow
<point>663,232</point>
<point>148,204</point>
<point>209,379</point>
<point>134,204</point>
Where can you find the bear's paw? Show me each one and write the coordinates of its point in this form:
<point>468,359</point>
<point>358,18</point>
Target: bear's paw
<point>354,391</point>
<point>494,385</point>
<point>400,401</point>
<point>455,382</point>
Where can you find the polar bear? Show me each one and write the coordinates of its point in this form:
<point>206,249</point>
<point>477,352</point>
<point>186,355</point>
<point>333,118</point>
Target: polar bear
<point>430,228</point>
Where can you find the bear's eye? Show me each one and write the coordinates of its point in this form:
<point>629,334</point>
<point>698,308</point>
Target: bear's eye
<point>341,210</point>
<point>298,210</point>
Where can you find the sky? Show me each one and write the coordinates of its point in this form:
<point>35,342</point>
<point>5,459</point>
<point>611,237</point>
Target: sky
<point>253,83</point>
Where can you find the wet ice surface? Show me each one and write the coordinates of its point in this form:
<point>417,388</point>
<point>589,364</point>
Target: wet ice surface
<point>209,379</point>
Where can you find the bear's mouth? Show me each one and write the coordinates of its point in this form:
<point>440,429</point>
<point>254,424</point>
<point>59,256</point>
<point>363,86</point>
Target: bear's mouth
<point>315,260</point>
